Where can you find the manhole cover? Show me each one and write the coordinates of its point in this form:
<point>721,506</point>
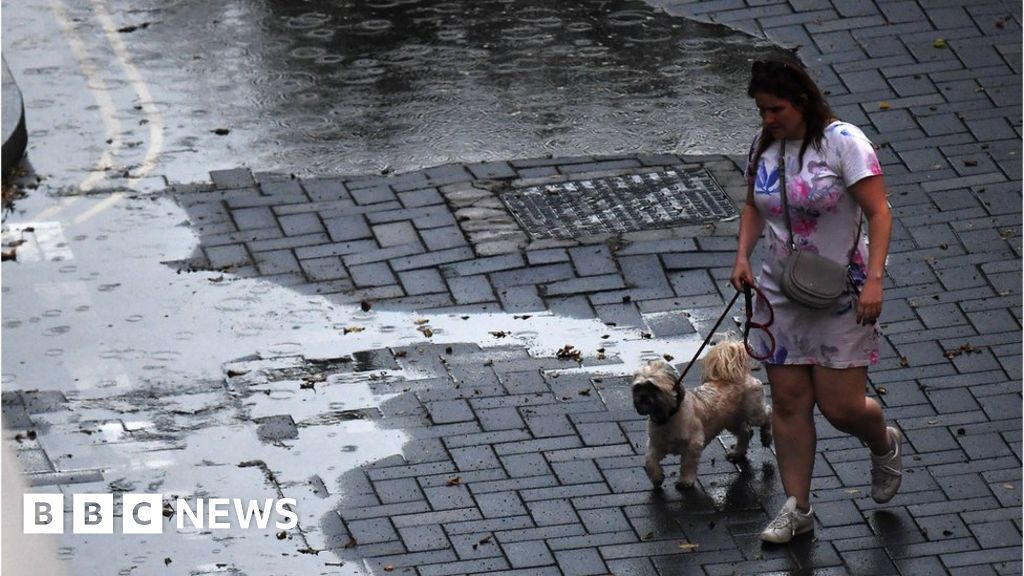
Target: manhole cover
<point>567,210</point>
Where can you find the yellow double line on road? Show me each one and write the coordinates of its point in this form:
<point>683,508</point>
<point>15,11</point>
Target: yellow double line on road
<point>107,109</point>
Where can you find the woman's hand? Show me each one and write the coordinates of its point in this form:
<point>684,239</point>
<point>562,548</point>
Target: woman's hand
<point>741,274</point>
<point>869,306</point>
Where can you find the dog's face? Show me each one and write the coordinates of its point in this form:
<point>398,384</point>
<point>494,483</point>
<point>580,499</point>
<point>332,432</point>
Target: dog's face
<point>654,391</point>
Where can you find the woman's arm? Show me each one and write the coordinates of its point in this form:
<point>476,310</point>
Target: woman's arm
<point>751,226</point>
<point>870,194</point>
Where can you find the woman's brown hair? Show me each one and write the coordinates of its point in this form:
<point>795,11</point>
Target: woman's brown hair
<point>790,82</point>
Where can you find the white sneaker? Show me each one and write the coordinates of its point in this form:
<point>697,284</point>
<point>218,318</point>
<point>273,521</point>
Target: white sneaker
<point>789,523</point>
<point>887,470</point>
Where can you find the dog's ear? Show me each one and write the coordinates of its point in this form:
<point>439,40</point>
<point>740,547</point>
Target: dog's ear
<point>663,365</point>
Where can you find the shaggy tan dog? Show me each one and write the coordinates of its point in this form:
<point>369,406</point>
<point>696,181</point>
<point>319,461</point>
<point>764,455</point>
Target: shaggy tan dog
<point>684,422</point>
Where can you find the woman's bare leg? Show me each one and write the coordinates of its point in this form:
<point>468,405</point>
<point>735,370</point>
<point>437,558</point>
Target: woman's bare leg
<point>793,428</point>
<point>841,398</point>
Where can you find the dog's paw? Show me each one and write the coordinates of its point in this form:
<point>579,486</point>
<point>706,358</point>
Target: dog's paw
<point>682,485</point>
<point>735,455</point>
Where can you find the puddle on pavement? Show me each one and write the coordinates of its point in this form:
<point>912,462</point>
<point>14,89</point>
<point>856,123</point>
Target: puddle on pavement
<point>91,306</point>
<point>349,87</point>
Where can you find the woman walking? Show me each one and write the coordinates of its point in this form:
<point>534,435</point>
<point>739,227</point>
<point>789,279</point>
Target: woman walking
<point>831,177</point>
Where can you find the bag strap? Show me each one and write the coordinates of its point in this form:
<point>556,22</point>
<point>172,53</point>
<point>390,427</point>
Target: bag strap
<point>785,208</point>
<point>783,193</point>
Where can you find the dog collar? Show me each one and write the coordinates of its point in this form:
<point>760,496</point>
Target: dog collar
<point>678,389</point>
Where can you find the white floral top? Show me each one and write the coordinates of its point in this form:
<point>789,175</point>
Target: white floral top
<point>824,218</point>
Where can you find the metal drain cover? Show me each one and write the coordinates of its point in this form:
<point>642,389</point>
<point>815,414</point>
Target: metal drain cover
<point>567,210</point>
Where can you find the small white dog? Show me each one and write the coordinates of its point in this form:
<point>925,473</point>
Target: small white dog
<point>684,423</point>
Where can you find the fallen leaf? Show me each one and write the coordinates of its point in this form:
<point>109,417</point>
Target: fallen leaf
<point>167,561</point>
<point>569,352</point>
<point>282,535</point>
<point>668,357</point>
<point>1009,486</point>
<point>648,536</point>
<point>366,305</point>
<point>351,329</point>
<point>221,131</point>
<point>420,322</point>
<point>522,317</point>
<point>884,105</point>
<point>11,254</point>
<point>454,481</point>
<point>352,543</point>
<point>426,331</point>
<point>498,333</point>
<point>939,43</point>
<point>881,390</point>
<point>970,162</point>
<point>687,546</point>
<point>852,491</point>
<point>389,568</point>
<point>401,354</point>
<point>903,361</point>
<point>645,335</point>
<point>585,392</point>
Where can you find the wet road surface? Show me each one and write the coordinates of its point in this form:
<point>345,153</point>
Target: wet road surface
<point>176,89</point>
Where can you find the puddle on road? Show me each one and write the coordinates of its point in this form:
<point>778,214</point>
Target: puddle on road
<point>349,87</point>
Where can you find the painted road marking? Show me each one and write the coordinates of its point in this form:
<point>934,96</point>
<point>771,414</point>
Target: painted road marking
<point>108,110</point>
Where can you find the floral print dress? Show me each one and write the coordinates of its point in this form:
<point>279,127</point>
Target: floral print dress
<point>824,218</point>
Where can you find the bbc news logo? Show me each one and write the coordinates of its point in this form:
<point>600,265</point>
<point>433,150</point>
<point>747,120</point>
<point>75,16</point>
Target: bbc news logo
<point>142,513</point>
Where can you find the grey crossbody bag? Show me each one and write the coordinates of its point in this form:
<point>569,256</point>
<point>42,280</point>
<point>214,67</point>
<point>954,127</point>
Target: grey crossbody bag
<point>808,278</point>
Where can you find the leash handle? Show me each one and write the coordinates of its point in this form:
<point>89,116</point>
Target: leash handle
<point>728,307</point>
